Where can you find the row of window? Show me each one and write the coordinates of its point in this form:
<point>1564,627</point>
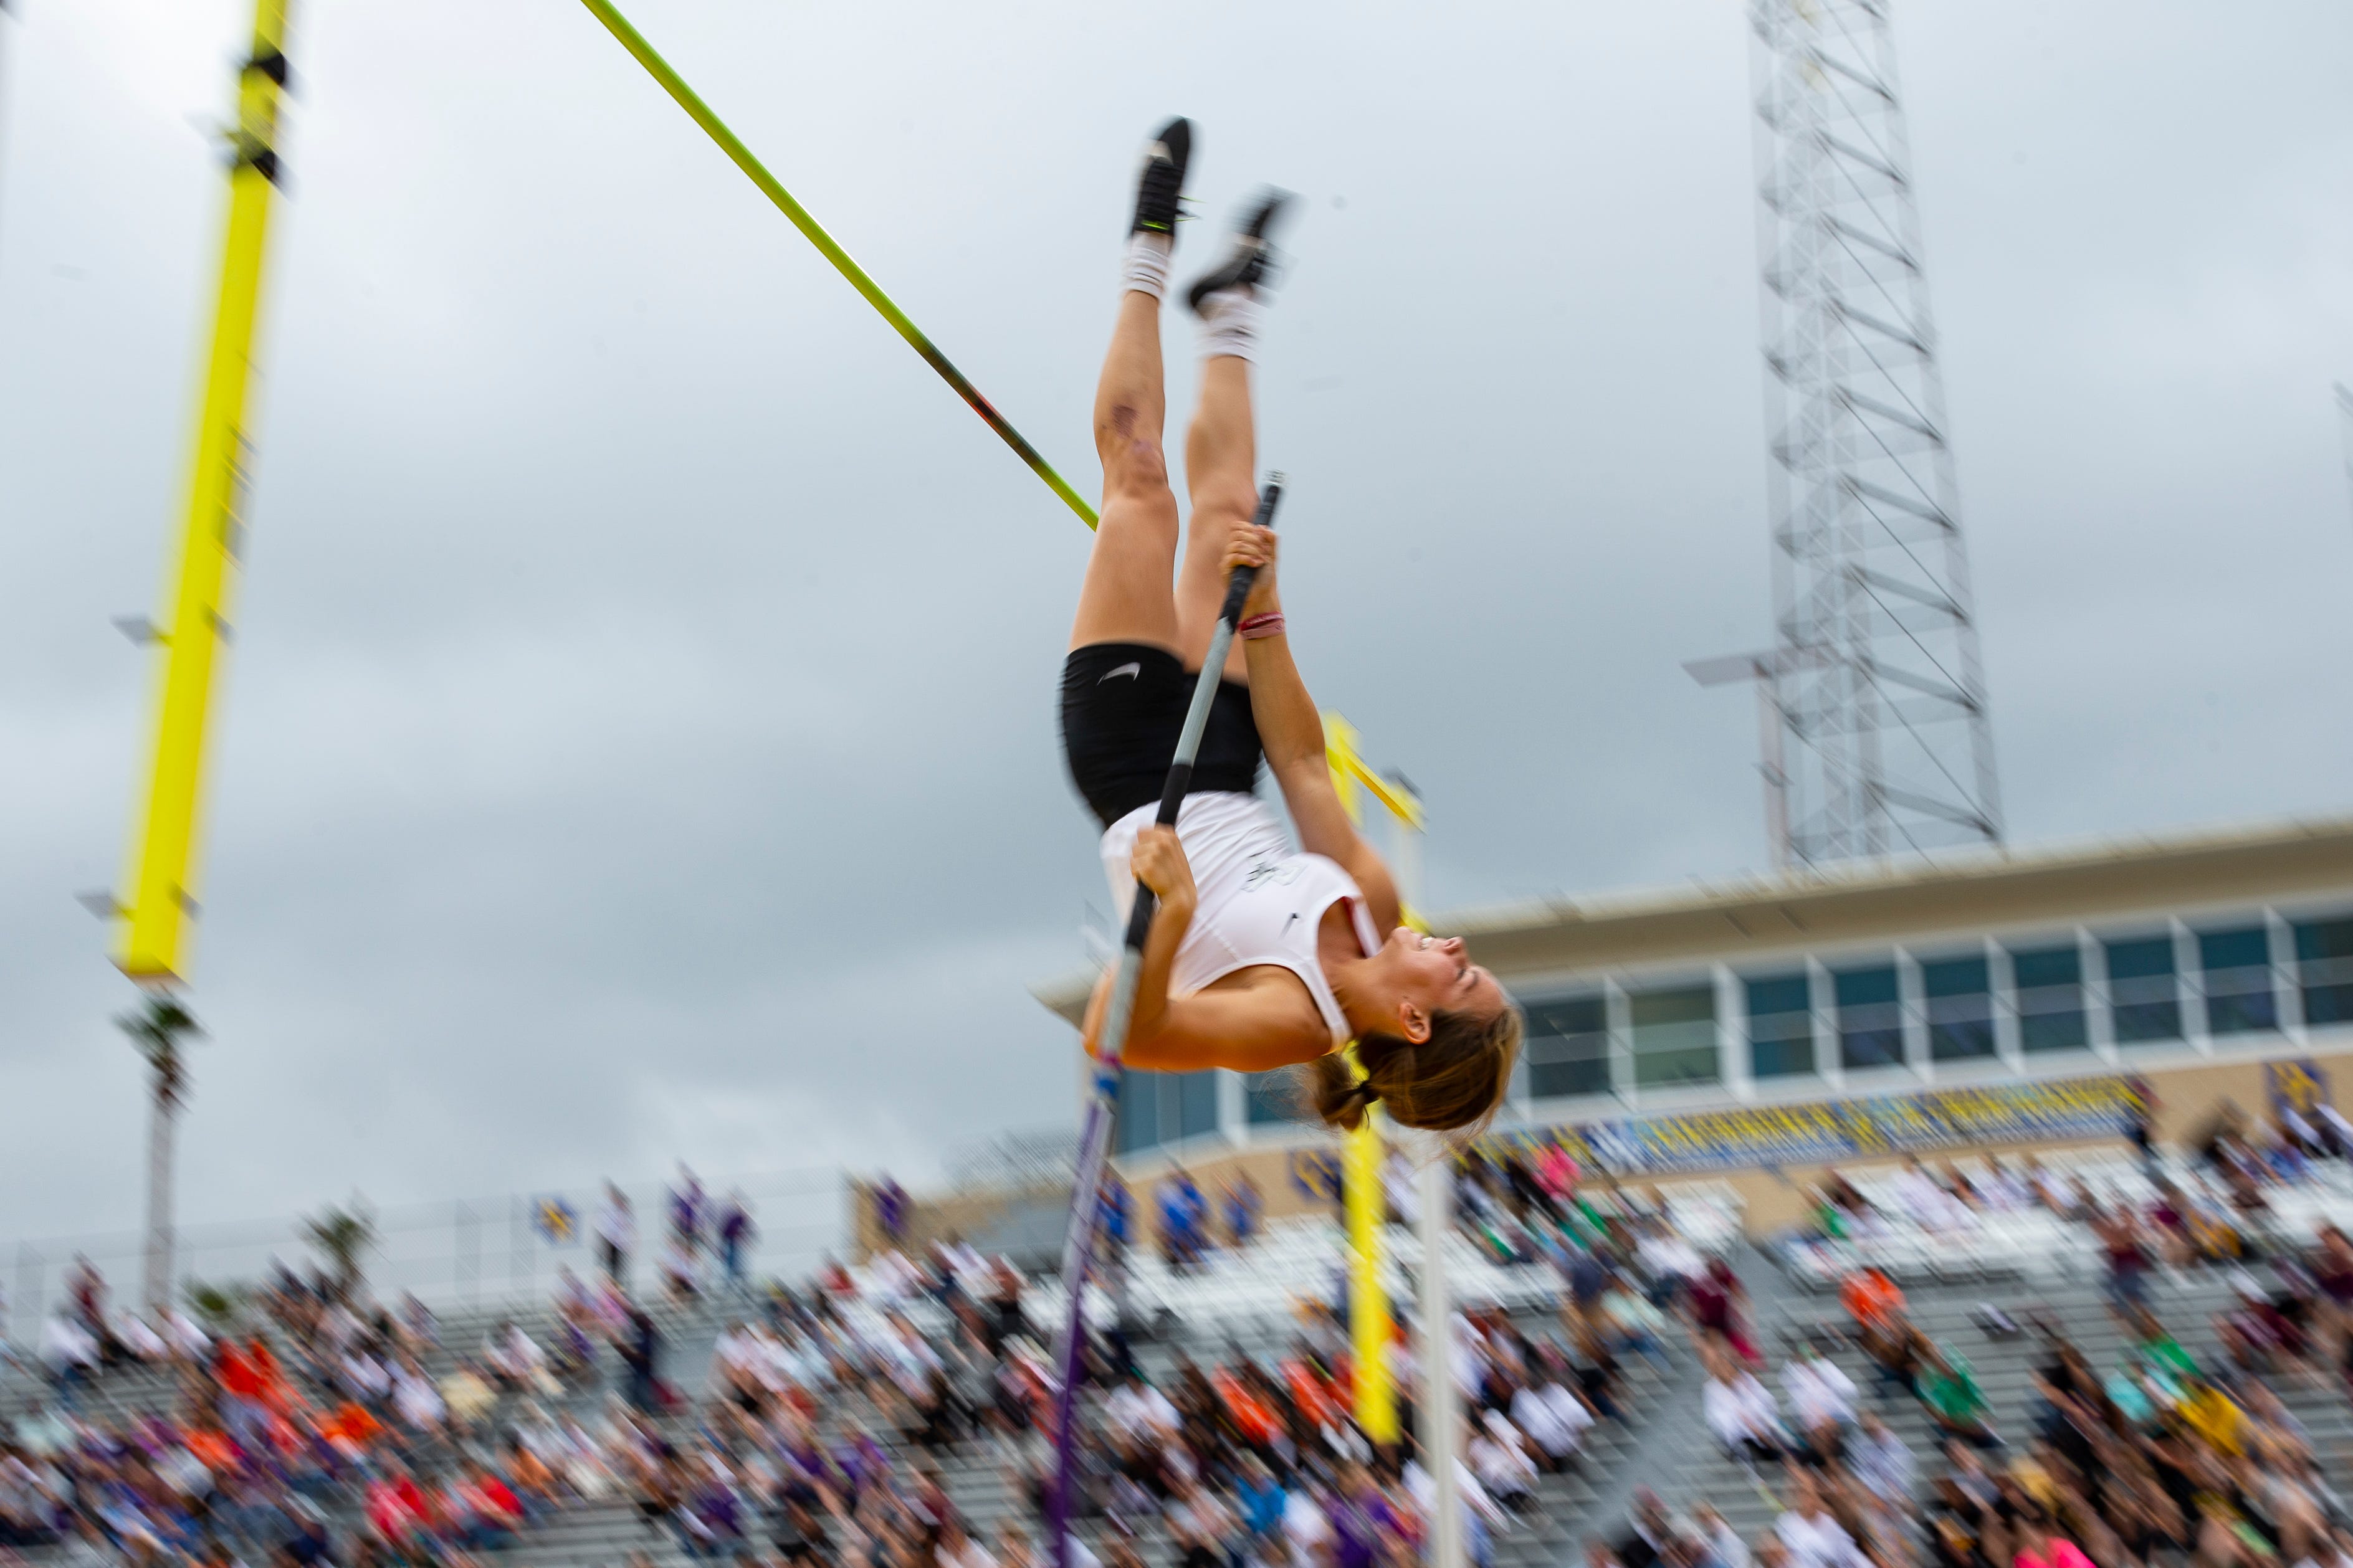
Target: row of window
<point>1856,1014</point>
<point>1801,1021</point>
<point>1159,1107</point>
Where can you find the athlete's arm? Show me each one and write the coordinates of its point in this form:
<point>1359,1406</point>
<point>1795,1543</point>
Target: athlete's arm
<point>1249,1026</point>
<point>1291,730</point>
<point>1159,863</point>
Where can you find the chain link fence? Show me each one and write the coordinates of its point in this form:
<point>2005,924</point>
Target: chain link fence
<point>1016,1161</point>
<point>465,1252</point>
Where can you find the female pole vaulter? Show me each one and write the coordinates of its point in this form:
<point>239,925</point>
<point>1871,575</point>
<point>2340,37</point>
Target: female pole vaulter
<point>1261,956</point>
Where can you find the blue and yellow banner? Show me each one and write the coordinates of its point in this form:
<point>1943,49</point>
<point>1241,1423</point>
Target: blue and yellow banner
<point>556,1221</point>
<point>2299,1086</point>
<point>1827,1131</point>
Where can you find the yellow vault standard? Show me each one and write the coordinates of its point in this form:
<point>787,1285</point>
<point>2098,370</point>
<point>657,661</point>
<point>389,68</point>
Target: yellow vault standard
<point>196,626</point>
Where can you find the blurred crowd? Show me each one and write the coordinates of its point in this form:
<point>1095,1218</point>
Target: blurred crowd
<point>2159,1455</point>
<point>2203,1210</point>
<point>330,1427</point>
<point>1244,1460</point>
<point>706,1244</point>
<point>315,1423</point>
<point>1191,1226</point>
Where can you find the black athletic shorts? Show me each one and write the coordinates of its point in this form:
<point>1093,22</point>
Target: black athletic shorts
<point>1122,706</point>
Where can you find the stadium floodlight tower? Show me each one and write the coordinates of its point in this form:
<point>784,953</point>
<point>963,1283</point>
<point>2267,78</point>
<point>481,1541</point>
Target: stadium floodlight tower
<point>1873,693</point>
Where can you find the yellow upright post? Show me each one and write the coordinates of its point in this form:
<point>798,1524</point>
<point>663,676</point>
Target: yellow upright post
<point>1368,1304</point>
<point>196,624</point>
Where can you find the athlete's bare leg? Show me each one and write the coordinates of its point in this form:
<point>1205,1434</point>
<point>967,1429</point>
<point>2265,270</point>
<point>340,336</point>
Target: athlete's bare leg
<point>1221,446</point>
<point>1127,595</point>
<point>1221,480</point>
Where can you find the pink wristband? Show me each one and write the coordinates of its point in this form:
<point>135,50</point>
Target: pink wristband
<point>1267,625</point>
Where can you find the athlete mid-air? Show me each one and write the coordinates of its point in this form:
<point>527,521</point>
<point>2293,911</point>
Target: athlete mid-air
<point>1262,956</point>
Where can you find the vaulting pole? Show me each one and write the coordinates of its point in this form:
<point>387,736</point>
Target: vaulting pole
<point>733,145</point>
<point>1102,1103</point>
<point>162,899</point>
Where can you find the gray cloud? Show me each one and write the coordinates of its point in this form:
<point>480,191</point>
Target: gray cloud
<point>639,737</point>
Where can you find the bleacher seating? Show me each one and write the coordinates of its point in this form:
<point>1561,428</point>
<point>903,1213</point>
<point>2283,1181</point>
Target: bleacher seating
<point>1242,1303</point>
<point>1246,1303</point>
<point>2003,1369</point>
<point>2035,1243</point>
<point>1257,1289</point>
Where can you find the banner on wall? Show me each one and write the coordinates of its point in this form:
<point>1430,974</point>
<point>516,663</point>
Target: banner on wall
<point>1830,1130</point>
<point>1315,1173</point>
<point>557,1224</point>
<point>2297,1086</point>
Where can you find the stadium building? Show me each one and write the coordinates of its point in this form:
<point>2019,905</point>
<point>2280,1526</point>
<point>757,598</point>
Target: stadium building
<point>1758,1031</point>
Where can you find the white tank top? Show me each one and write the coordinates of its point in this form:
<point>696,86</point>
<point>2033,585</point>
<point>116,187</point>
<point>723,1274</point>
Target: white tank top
<point>1262,901</point>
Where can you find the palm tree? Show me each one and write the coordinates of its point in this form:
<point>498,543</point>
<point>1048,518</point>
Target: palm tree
<point>343,1238</point>
<point>218,1305</point>
<point>155,1033</point>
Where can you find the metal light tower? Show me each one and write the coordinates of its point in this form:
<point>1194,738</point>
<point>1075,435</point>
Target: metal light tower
<point>1878,741</point>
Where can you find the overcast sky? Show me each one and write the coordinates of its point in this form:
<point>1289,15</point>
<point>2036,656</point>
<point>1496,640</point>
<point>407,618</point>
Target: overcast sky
<point>639,739</point>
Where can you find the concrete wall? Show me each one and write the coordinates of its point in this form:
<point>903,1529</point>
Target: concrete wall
<point>977,1217</point>
<point>1301,1175</point>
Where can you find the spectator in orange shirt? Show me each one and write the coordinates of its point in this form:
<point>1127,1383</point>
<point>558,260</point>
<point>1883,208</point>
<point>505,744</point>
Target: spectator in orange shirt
<point>211,1449</point>
<point>270,1378</point>
<point>533,1480</point>
<point>1247,1411</point>
<point>1871,1298</point>
<point>350,1431</point>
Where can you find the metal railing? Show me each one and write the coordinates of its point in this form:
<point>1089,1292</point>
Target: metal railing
<point>1016,1162</point>
<point>465,1252</point>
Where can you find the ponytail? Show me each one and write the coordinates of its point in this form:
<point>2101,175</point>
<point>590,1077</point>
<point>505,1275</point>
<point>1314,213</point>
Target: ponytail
<point>1454,1079</point>
<point>1341,1099</point>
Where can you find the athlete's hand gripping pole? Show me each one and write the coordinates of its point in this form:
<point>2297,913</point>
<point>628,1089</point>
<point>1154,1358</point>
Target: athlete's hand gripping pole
<point>1094,1139</point>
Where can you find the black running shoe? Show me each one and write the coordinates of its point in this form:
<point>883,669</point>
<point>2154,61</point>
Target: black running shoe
<point>1162,184</point>
<point>1251,263</point>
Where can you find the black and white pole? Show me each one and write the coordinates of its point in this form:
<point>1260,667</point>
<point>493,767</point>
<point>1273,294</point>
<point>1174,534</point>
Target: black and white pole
<point>1102,1103</point>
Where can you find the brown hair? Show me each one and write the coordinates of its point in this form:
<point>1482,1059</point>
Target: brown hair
<point>1453,1080</point>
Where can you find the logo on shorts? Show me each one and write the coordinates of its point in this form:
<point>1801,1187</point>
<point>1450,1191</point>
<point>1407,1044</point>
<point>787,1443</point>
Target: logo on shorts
<point>1133,670</point>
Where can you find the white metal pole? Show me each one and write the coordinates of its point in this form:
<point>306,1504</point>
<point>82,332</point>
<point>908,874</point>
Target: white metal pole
<point>163,1112</point>
<point>1440,1408</point>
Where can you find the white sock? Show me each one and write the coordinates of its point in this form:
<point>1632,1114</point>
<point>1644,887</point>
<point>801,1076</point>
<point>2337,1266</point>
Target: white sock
<point>1229,323</point>
<point>1145,268</point>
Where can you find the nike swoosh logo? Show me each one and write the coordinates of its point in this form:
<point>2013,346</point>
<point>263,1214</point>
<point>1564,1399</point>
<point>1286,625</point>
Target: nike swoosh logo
<point>1133,671</point>
<point>1286,925</point>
